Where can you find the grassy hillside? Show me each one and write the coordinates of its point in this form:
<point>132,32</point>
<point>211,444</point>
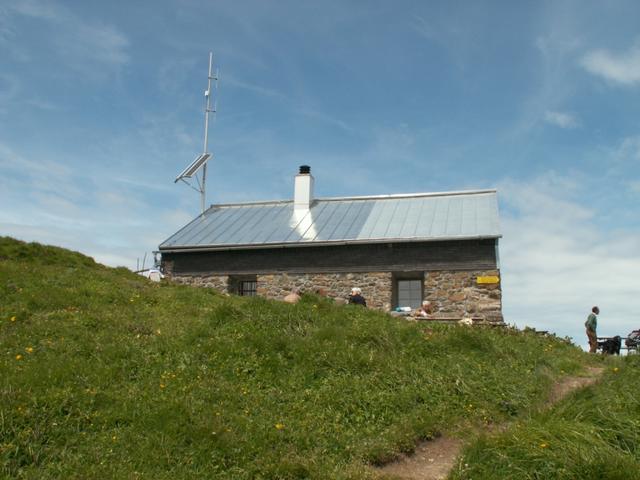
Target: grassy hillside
<point>106,375</point>
<point>594,434</point>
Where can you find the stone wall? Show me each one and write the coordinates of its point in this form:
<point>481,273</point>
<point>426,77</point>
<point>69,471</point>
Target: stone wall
<point>218,282</point>
<point>376,287</point>
<point>453,293</point>
<point>458,294</point>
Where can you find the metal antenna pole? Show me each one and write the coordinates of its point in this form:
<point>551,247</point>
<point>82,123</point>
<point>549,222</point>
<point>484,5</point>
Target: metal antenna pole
<point>207,109</point>
<point>201,160</point>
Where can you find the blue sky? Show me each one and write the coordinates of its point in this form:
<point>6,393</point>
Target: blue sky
<point>101,107</point>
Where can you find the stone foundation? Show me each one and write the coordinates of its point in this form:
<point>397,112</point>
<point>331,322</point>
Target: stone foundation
<point>454,294</point>
<point>218,282</point>
<point>457,294</point>
<point>376,287</point>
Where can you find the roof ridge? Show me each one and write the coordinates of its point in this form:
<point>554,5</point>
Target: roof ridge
<point>365,197</point>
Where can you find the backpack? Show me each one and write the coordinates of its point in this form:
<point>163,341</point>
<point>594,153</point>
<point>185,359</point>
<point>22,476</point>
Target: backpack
<point>633,339</point>
<point>612,346</point>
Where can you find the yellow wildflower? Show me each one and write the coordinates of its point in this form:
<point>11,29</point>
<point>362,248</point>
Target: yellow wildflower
<point>279,426</point>
<point>162,385</point>
<point>13,319</point>
<point>615,369</point>
<point>29,349</point>
<point>543,445</point>
<point>18,357</point>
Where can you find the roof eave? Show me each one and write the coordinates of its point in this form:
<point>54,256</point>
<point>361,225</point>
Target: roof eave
<point>264,246</point>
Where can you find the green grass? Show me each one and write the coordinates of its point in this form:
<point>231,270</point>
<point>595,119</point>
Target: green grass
<point>593,434</point>
<point>106,375</point>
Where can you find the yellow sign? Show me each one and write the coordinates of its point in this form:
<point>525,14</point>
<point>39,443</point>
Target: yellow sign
<point>492,279</point>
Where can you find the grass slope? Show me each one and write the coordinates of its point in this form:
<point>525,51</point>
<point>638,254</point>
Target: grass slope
<point>592,435</point>
<point>106,375</point>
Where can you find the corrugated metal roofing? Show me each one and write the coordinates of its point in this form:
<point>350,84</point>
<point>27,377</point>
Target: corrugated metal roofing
<point>398,218</point>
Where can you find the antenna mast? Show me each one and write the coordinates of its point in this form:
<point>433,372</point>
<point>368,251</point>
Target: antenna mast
<point>201,160</point>
<point>207,110</point>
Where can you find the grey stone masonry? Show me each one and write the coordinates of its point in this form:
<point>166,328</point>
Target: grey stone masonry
<point>376,287</point>
<point>218,282</point>
<point>454,294</point>
<point>457,294</point>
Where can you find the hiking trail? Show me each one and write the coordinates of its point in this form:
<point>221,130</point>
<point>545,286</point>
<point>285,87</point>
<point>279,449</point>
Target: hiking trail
<point>434,459</point>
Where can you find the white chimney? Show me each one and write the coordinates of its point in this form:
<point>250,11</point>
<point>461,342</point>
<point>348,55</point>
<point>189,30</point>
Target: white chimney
<point>303,189</point>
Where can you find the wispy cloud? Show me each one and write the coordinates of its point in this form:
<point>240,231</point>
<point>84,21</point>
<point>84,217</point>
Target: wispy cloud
<point>6,31</point>
<point>634,186</point>
<point>9,87</point>
<point>629,150</point>
<point>324,118</point>
<point>557,261</point>
<point>80,43</point>
<point>455,34</point>
<point>550,89</point>
<point>38,9</point>
<point>561,119</point>
<point>107,219</point>
<point>258,89</point>
<point>102,43</point>
<point>11,160</point>
<point>621,68</point>
<point>44,105</point>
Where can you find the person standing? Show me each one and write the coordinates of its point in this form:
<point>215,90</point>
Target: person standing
<point>592,324</point>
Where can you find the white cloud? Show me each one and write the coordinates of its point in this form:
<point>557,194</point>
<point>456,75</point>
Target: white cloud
<point>557,262</point>
<point>561,119</point>
<point>6,30</point>
<point>9,87</point>
<point>634,186</point>
<point>230,80</point>
<point>58,205</point>
<point>177,217</point>
<point>622,68</point>
<point>38,9</point>
<point>50,171</point>
<point>324,118</point>
<point>629,149</point>
<point>551,83</point>
<point>94,42</point>
<point>80,43</point>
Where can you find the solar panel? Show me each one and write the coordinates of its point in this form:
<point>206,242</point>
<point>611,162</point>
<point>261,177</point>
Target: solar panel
<point>193,168</point>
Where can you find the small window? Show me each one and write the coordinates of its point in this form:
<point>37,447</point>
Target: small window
<point>409,293</point>
<point>248,288</point>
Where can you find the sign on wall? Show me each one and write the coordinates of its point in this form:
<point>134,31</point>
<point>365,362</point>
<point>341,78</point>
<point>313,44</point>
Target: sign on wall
<point>489,279</point>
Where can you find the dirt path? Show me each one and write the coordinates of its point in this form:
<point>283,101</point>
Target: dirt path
<point>434,459</point>
<point>567,385</point>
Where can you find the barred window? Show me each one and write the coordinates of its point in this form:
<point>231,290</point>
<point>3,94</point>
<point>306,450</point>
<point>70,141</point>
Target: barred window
<point>248,288</point>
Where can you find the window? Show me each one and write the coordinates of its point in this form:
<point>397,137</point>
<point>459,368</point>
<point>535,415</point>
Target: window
<point>248,288</point>
<point>409,293</point>
<point>245,285</point>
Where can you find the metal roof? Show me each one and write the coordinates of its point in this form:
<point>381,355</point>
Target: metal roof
<point>387,218</point>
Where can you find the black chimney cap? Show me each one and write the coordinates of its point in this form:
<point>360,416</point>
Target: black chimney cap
<point>305,169</point>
